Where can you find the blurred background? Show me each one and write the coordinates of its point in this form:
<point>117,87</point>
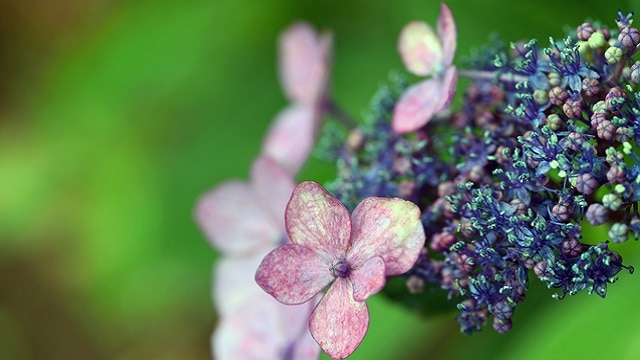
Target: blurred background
<point>116,115</point>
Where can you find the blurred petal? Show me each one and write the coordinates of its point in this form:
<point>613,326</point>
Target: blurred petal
<point>293,274</point>
<point>416,106</point>
<point>234,282</point>
<point>264,330</point>
<point>274,186</point>
<point>339,323</point>
<point>419,48</point>
<point>389,228</point>
<point>449,82</point>
<point>304,63</point>
<point>234,220</point>
<point>318,221</point>
<point>447,33</point>
<point>291,137</point>
<point>368,279</point>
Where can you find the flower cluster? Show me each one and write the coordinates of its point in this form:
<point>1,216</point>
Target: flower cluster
<point>476,201</point>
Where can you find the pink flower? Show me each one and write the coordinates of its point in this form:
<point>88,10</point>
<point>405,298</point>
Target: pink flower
<point>304,75</point>
<point>424,53</point>
<point>353,255</point>
<point>245,221</point>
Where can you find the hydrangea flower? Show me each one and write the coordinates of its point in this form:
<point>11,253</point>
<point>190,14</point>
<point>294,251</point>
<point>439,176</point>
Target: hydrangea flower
<point>352,255</point>
<point>423,53</point>
<point>304,75</point>
<point>243,221</point>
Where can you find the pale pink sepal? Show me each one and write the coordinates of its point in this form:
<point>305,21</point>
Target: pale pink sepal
<point>273,185</point>
<point>234,284</point>
<point>304,63</point>
<point>368,279</point>
<point>265,329</point>
<point>291,137</point>
<point>318,221</point>
<point>447,33</point>
<point>293,274</point>
<point>390,229</point>
<point>420,48</point>
<point>339,323</point>
<point>233,221</point>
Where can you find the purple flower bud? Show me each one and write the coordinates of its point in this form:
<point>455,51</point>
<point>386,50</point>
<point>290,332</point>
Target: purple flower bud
<point>574,141</point>
<point>616,174</point>
<point>615,97</point>
<point>572,247</point>
<point>561,212</point>
<point>501,325</point>
<point>585,30</point>
<point>442,241</point>
<point>590,86</point>
<point>624,134</point>
<point>634,72</point>
<point>606,130</point>
<point>573,108</point>
<point>605,32</point>
<point>598,118</point>
<point>597,214</point>
<point>629,38</point>
<point>558,95</point>
<point>541,269</point>
<point>587,184</point>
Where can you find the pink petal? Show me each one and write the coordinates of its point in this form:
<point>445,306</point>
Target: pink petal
<point>265,329</point>
<point>234,221</point>
<point>339,323</point>
<point>389,228</point>
<point>291,136</point>
<point>416,106</point>
<point>293,274</point>
<point>449,82</point>
<point>304,63</point>
<point>447,33</point>
<point>368,279</point>
<point>274,186</point>
<point>234,282</point>
<point>318,221</point>
<point>420,48</point>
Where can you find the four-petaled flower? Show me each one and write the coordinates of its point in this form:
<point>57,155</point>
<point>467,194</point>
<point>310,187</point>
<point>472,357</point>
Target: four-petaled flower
<point>304,76</point>
<point>424,53</point>
<point>383,237</point>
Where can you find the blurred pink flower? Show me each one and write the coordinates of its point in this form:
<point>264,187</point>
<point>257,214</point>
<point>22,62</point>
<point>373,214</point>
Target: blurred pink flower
<point>423,53</point>
<point>354,255</point>
<point>304,74</point>
<point>244,220</point>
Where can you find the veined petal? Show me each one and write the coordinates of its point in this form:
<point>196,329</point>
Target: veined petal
<point>234,220</point>
<point>389,228</point>
<point>368,279</point>
<point>420,48</point>
<point>274,186</point>
<point>318,221</point>
<point>291,136</point>
<point>339,322</point>
<point>293,274</point>
<point>416,106</point>
<point>447,33</point>
<point>304,63</point>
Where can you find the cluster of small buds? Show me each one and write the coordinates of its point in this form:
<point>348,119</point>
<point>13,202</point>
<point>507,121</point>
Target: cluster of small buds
<point>545,142</point>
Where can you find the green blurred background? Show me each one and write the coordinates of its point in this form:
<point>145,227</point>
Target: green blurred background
<point>116,115</point>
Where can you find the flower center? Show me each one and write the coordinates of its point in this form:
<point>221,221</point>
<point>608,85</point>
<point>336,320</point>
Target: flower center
<point>340,268</point>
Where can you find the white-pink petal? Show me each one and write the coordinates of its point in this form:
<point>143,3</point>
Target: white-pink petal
<point>274,186</point>
<point>304,63</point>
<point>389,228</point>
<point>234,220</point>
<point>368,279</point>
<point>449,83</point>
<point>339,323</point>
<point>293,274</point>
<point>416,106</point>
<point>447,34</point>
<point>318,221</point>
<point>420,48</point>
<point>234,282</point>
<point>291,136</point>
